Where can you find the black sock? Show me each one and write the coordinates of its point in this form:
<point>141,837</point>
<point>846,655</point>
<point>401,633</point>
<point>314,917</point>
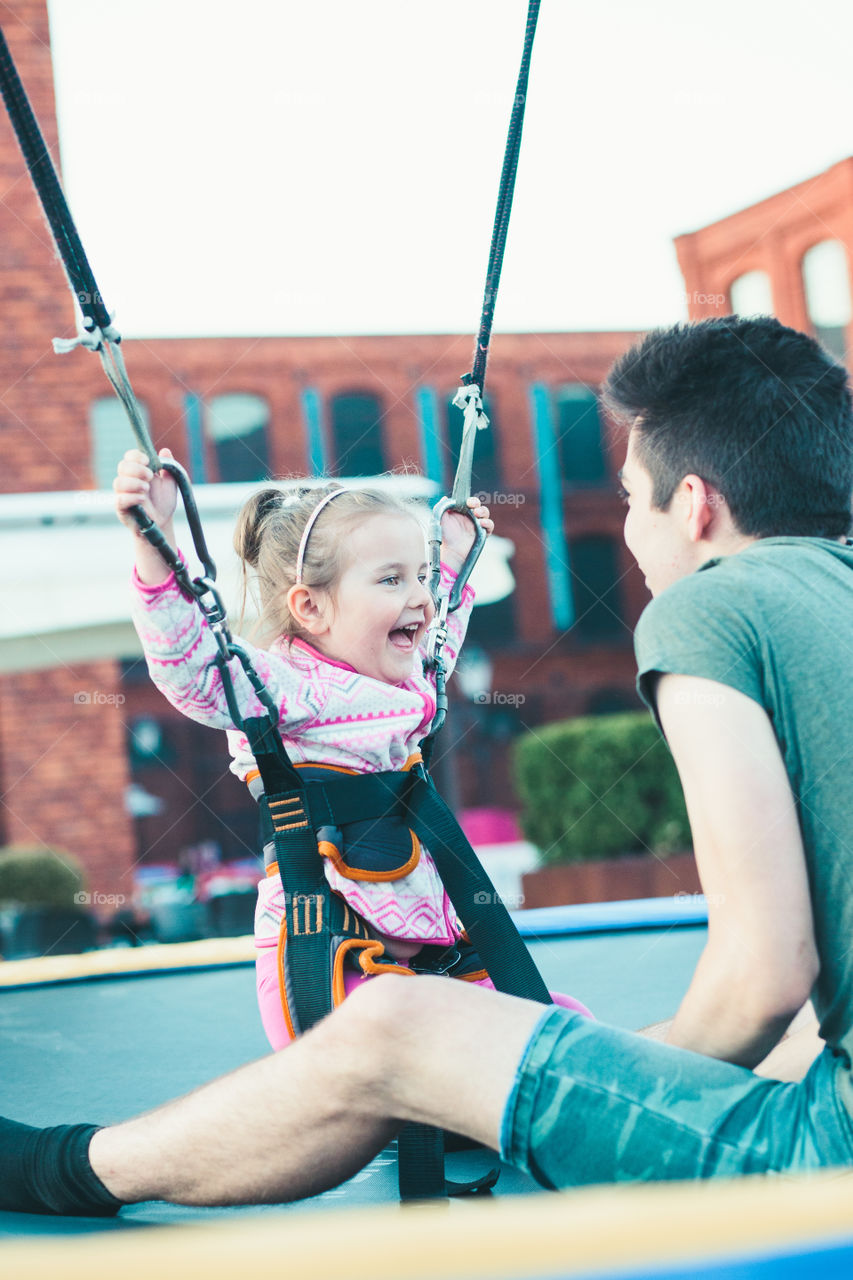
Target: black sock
<point>48,1171</point>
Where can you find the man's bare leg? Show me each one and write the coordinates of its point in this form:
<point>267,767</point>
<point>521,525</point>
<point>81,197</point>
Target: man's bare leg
<point>309,1117</point>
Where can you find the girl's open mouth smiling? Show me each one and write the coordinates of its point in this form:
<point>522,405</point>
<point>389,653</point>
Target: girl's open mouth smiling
<point>405,638</point>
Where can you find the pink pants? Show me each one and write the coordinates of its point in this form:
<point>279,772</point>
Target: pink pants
<point>272,1015</point>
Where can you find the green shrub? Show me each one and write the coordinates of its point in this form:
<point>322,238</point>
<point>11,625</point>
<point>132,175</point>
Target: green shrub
<point>38,877</point>
<point>599,786</point>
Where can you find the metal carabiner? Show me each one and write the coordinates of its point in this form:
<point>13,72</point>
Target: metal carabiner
<point>210,602</point>
<point>263,694</point>
<point>437,633</point>
<point>153,534</point>
<point>467,399</point>
<point>185,489</point>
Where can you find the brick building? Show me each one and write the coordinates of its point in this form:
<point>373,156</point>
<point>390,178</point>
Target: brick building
<point>787,256</point>
<point>92,759</point>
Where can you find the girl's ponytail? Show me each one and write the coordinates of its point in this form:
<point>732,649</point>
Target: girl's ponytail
<point>250,522</point>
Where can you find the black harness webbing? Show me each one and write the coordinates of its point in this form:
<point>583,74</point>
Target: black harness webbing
<point>412,797</point>
<point>316,918</point>
<point>480,908</point>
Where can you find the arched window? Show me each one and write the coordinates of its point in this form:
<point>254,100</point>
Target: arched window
<point>751,294</point>
<point>111,437</point>
<point>826,279</point>
<point>485,473</point>
<point>594,562</point>
<point>237,425</point>
<point>579,437</point>
<point>357,447</point>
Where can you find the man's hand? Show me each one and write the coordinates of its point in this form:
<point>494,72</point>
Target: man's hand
<point>760,962</point>
<point>458,533</point>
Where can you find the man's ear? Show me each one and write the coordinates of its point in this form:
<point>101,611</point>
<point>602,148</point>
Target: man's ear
<point>700,500</point>
<point>308,608</point>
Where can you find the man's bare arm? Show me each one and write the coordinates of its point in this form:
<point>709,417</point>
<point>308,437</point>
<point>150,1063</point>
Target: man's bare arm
<point>796,1051</point>
<point>789,1060</point>
<point>760,961</point>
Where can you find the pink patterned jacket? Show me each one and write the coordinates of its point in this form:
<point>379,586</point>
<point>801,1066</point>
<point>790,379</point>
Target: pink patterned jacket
<point>329,714</point>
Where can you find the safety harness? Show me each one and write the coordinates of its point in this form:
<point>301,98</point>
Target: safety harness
<point>368,825</point>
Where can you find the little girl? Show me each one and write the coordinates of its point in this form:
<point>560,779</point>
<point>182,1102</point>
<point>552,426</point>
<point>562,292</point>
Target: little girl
<point>344,610</point>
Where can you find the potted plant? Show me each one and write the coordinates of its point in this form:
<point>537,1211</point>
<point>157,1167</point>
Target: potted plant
<point>42,901</point>
<point>602,803</point>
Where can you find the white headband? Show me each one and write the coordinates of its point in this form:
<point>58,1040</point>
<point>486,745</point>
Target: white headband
<point>309,525</point>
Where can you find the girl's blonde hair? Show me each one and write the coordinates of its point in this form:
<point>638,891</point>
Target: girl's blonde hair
<point>267,537</point>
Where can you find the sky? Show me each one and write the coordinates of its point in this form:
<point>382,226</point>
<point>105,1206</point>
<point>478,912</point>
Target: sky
<point>331,167</point>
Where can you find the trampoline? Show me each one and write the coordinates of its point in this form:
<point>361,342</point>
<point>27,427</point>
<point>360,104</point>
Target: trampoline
<point>102,1037</point>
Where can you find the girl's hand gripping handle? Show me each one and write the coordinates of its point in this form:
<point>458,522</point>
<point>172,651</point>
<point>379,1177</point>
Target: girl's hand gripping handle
<point>457,533</point>
<point>136,485</point>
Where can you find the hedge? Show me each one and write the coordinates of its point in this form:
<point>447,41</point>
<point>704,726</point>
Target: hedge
<point>599,786</point>
<point>38,877</point>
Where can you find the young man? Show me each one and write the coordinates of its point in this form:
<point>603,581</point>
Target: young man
<point>738,480</point>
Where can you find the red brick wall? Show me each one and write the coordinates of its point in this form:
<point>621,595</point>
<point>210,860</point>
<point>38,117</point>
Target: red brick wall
<point>37,414</point>
<point>65,768</point>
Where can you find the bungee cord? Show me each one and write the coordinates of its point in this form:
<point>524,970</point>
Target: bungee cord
<point>80,278</point>
<point>469,398</point>
<point>506,190</point>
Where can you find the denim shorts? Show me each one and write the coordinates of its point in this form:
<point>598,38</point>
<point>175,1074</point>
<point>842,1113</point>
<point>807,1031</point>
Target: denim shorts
<point>593,1103</point>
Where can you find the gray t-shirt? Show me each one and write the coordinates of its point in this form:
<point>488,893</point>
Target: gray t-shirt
<point>775,621</point>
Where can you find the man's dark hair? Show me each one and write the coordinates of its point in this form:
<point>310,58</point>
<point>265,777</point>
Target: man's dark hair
<point>757,410</point>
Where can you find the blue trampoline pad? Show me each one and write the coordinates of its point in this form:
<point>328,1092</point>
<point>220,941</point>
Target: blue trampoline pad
<point>109,1046</point>
<point>104,1048</point>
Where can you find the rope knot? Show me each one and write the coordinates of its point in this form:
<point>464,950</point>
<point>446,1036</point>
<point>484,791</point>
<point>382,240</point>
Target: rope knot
<point>89,335</point>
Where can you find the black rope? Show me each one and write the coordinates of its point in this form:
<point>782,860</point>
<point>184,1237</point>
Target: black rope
<point>56,210</point>
<point>504,206</point>
<point>477,378</point>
